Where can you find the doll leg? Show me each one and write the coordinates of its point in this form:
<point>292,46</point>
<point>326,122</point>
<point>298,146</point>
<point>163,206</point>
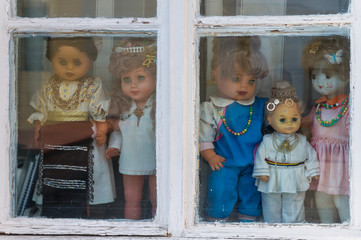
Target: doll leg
<point>249,207</point>
<point>293,209</point>
<point>222,192</point>
<point>272,207</point>
<point>342,203</point>
<point>325,207</point>
<point>153,192</point>
<point>133,188</point>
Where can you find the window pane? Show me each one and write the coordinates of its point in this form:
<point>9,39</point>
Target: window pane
<point>272,7</point>
<point>86,8</point>
<point>74,94</point>
<point>257,163</point>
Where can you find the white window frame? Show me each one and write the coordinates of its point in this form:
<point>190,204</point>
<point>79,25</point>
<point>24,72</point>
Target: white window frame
<point>178,26</point>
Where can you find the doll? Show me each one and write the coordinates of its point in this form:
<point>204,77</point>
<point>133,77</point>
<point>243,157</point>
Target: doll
<point>70,110</point>
<point>285,162</point>
<point>326,61</point>
<point>230,128</point>
<point>132,114</point>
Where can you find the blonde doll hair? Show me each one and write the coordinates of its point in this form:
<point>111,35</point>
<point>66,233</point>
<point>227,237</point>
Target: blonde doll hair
<point>227,51</point>
<point>127,55</point>
<point>317,50</point>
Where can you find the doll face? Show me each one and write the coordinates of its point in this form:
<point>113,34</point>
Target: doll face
<point>285,119</point>
<point>240,86</point>
<point>328,85</point>
<point>71,64</point>
<point>138,84</point>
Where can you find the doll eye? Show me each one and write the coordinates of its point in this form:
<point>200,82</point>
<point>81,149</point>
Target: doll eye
<point>313,76</point>
<point>251,82</point>
<point>77,62</point>
<point>126,80</point>
<point>295,119</point>
<point>62,62</point>
<point>282,120</point>
<point>234,79</point>
<point>141,78</point>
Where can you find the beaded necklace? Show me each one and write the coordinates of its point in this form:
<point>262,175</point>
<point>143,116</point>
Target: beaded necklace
<point>229,129</point>
<point>330,123</point>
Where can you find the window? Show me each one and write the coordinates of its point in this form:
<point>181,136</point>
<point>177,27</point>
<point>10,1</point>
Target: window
<point>184,32</point>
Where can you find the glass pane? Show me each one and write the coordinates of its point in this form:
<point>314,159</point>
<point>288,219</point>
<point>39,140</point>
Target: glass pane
<point>86,8</point>
<point>80,102</point>
<point>272,7</point>
<point>274,129</point>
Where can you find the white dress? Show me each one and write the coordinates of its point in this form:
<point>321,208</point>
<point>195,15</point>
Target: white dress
<point>136,143</point>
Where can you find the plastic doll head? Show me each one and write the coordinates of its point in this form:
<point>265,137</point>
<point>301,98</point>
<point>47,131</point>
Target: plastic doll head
<point>237,64</point>
<point>133,64</point>
<point>71,58</point>
<point>326,61</point>
<point>284,109</point>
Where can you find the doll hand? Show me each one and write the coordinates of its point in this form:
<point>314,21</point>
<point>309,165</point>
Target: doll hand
<point>215,161</point>
<point>37,127</point>
<point>102,129</point>
<point>316,177</point>
<point>111,152</point>
<point>100,139</point>
<point>264,178</point>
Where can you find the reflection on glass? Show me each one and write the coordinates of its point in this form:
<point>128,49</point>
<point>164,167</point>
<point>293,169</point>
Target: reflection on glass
<point>272,7</point>
<point>65,169</point>
<point>86,8</point>
<point>236,78</point>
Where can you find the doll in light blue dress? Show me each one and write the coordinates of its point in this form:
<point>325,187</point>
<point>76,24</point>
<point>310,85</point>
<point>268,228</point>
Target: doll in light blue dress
<point>131,115</point>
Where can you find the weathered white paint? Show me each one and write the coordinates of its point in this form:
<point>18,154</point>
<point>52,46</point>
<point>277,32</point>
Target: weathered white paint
<point>178,28</point>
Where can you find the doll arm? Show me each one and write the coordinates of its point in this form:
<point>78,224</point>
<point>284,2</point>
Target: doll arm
<point>115,142</point>
<point>207,133</point>
<point>37,127</point>
<point>39,105</point>
<point>261,167</point>
<point>102,129</point>
<point>311,164</point>
<point>207,126</point>
<point>99,101</point>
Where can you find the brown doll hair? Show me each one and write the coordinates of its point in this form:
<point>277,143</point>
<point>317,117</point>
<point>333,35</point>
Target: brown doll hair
<point>127,55</point>
<point>315,56</point>
<point>227,51</point>
<point>84,44</point>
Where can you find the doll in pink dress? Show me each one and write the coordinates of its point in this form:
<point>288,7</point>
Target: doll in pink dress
<point>326,61</point>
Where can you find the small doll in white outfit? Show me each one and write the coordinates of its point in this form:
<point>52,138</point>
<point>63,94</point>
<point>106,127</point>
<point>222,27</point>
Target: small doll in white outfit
<point>285,162</point>
<point>70,116</point>
<point>132,113</point>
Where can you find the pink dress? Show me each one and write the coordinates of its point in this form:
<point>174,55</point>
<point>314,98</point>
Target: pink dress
<point>332,147</point>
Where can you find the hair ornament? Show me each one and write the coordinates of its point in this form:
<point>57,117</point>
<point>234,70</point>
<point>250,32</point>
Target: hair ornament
<point>314,47</point>
<point>130,49</point>
<point>286,95</point>
<point>335,58</point>
<point>150,54</point>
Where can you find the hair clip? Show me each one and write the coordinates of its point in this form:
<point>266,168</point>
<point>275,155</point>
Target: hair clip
<point>271,106</point>
<point>314,47</point>
<point>334,58</point>
<point>150,54</point>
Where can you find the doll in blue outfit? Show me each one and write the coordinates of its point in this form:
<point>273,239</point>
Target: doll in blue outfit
<point>230,128</point>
